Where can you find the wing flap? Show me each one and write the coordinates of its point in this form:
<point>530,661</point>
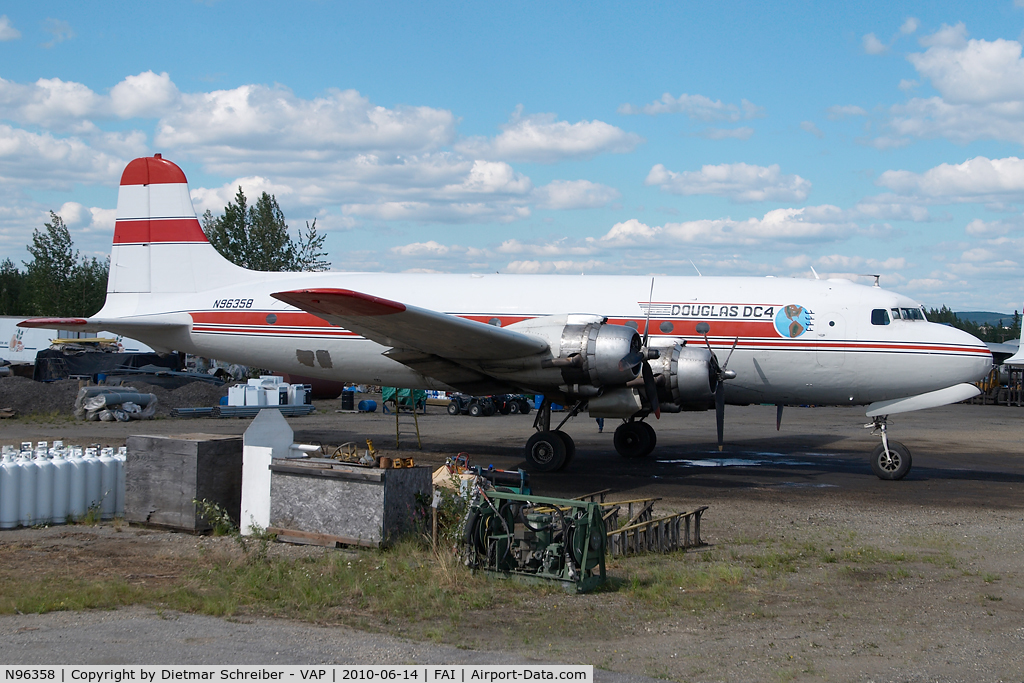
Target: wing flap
<point>403,326</point>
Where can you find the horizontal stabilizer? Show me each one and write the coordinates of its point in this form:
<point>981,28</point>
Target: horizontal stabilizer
<point>933,399</point>
<point>399,325</point>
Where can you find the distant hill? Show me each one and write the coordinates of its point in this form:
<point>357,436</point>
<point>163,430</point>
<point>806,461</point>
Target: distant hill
<point>986,317</point>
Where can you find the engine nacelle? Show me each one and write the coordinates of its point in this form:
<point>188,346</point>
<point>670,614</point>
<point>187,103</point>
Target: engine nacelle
<point>594,351</point>
<point>688,374</point>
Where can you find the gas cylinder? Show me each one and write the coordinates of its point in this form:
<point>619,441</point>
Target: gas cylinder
<point>44,488</point>
<point>93,479</point>
<point>76,483</point>
<point>27,505</point>
<point>108,482</point>
<point>122,457</point>
<point>61,487</point>
<point>10,494</point>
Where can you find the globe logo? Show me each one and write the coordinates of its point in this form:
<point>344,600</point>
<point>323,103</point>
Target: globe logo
<point>792,321</point>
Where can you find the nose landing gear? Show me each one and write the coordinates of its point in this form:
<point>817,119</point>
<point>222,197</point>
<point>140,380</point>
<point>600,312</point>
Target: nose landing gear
<point>890,459</point>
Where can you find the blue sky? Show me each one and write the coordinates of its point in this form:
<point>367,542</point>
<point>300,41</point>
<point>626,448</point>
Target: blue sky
<point>748,138</point>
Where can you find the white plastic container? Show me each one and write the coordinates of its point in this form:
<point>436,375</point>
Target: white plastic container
<point>44,488</point>
<point>76,484</point>
<point>61,488</point>
<point>10,492</point>
<point>275,396</point>
<point>296,394</point>
<point>236,395</point>
<point>108,482</point>
<point>255,396</point>
<point>93,479</point>
<point>27,504</point>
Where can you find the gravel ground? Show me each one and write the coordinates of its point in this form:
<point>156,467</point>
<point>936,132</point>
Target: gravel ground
<point>948,608</point>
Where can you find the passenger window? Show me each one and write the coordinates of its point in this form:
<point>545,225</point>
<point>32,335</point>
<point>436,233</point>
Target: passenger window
<point>895,314</point>
<point>879,316</point>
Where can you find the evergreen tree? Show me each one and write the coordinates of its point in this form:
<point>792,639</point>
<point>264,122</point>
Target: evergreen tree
<point>58,281</point>
<point>12,289</point>
<point>257,237</point>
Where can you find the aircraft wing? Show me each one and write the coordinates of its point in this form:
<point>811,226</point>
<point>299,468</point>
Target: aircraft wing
<point>406,327</point>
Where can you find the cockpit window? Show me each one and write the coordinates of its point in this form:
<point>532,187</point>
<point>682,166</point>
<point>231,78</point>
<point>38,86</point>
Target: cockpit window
<point>912,314</point>
<point>895,314</point>
<point>879,316</point>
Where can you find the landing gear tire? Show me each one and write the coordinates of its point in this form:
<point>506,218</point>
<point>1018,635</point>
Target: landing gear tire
<point>633,440</point>
<point>892,465</point>
<point>570,447</point>
<point>545,451</point>
<point>653,436</point>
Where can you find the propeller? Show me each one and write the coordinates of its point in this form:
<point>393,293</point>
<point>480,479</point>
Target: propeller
<point>723,373</point>
<point>640,357</point>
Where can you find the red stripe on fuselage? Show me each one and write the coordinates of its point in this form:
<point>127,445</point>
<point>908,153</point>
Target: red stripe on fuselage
<point>158,230</point>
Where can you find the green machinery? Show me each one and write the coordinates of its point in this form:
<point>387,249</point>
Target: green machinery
<point>536,538</point>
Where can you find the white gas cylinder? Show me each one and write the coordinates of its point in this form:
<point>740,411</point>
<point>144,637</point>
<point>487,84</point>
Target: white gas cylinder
<point>108,482</point>
<point>44,488</point>
<point>121,457</point>
<point>61,488</point>
<point>76,484</point>
<point>10,494</point>
<point>27,504</point>
<point>93,479</point>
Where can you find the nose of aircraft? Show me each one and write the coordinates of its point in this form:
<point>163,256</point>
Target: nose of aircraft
<point>969,357</point>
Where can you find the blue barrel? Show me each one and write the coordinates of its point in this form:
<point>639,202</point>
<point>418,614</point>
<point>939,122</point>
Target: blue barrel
<point>367,406</point>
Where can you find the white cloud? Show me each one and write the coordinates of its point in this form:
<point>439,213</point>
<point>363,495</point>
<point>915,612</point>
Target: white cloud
<point>975,71</point>
<point>561,247</point>
<point>59,29</point>
<point>534,267</point>
<point>776,228</point>
<point>86,218</point>
<point>574,194</point>
<point>697,107</point>
<point>873,46</point>
<point>909,26</point>
<point>988,229</point>
<point>420,249</point>
<point>809,127</point>
<point>837,111</point>
<point>44,161</point>
<point>464,212</point>
<point>946,36</point>
<point>542,138</point>
<point>145,95</point>
<point>977,179</point>
<point>906,85</point>
<point>741,133</point>
<point>740,182</point>
<point>216,198</point>
<point>256,121</point>
<point>7,30</point>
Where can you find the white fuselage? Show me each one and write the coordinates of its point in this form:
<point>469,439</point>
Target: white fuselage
<point>797,341</point>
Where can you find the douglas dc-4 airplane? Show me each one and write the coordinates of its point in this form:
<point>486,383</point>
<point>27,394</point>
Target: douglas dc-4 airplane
<point>614,346</point>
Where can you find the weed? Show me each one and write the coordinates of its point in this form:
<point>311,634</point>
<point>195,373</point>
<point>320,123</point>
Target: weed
<point>92,516</point>
<point>990,578</point>
<point>216,516</point>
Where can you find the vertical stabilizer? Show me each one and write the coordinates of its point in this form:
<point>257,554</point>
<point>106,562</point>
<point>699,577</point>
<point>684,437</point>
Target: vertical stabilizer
<point>1017,358</point>
<point>159,246</point>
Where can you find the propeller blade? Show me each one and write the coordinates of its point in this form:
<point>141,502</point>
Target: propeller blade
<point>631,360</point>
<point>647,321</point>
<point>651,389</point>
<point>778,416</point>
<point>720,413</point>
<point>727,358</point>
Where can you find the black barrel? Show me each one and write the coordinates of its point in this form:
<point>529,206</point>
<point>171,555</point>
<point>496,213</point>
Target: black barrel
<point>348,399</point>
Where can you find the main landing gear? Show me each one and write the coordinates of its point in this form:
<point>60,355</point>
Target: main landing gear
<point>890,459</point>
<point>550,450</point>
<point>635,439</point>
